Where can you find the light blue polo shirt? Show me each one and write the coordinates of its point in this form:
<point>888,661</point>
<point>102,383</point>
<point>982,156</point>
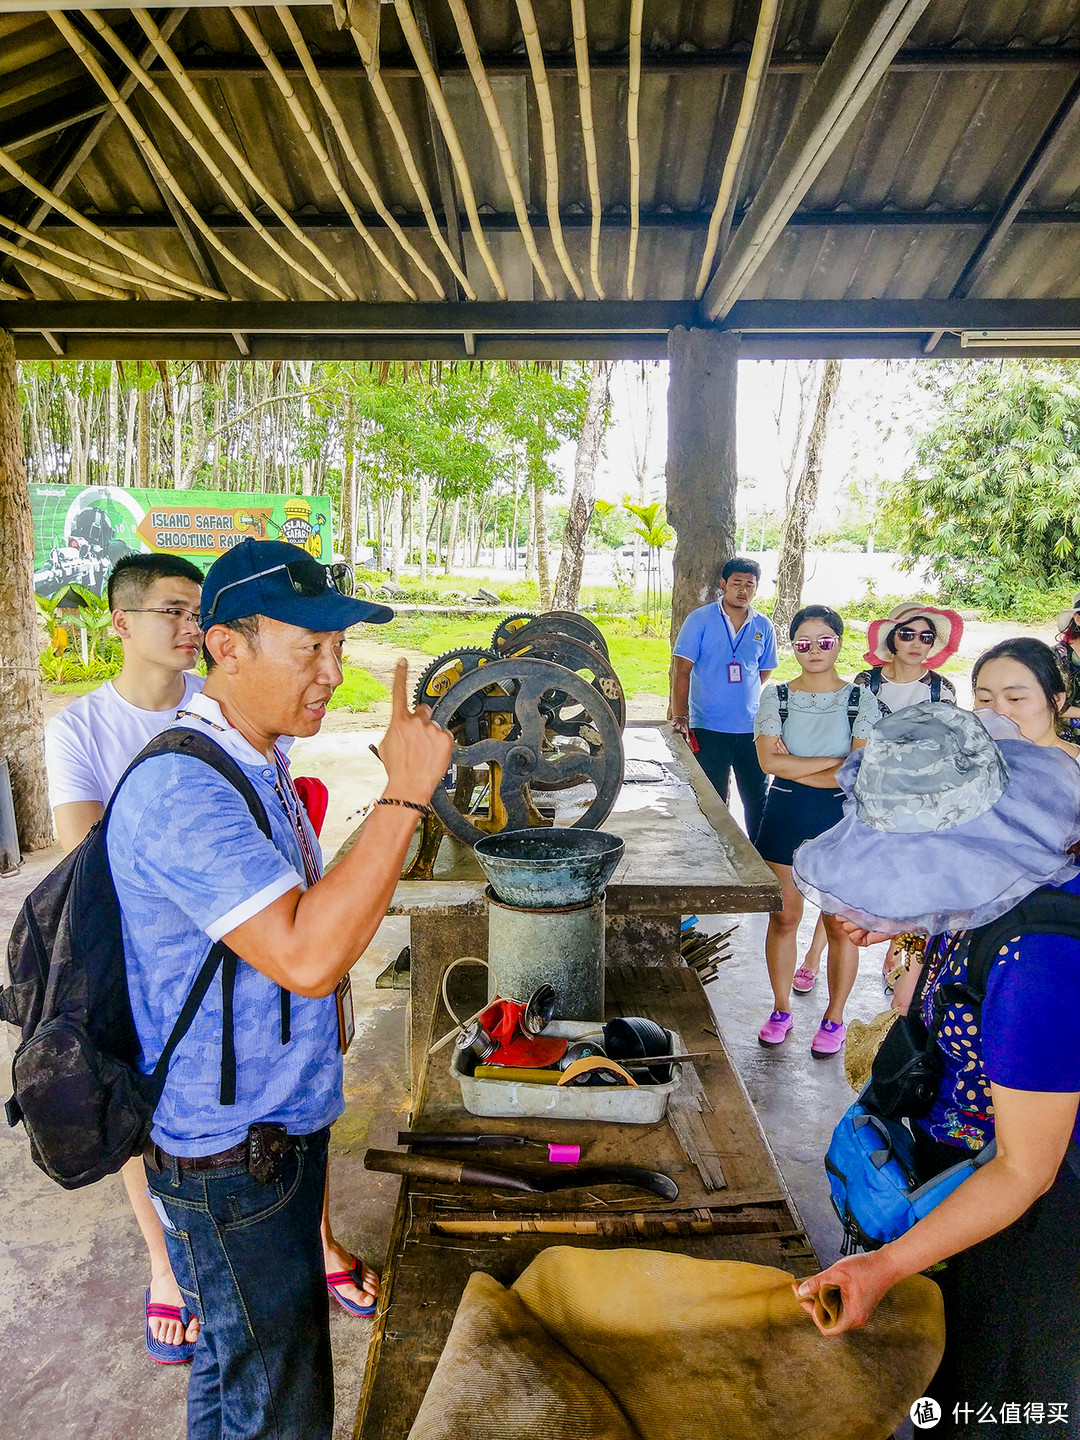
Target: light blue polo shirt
<point>709,640</point>
<point>190,864</point>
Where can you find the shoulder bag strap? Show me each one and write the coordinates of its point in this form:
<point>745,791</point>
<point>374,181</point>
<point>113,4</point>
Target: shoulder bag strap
<point>853,707</point>
<point>782,697</point>
<point>935,686</point>
<point>875,680</point>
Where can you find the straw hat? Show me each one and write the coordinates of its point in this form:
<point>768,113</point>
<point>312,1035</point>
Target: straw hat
<point>1065,617</point>
<point>946,624</point>
<point>944,828</point>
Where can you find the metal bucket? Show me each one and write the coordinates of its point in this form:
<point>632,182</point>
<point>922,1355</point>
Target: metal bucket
<point>562,946</point>
<point>544,868</point>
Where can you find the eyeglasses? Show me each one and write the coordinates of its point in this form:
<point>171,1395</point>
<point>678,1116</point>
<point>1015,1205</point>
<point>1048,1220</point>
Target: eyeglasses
<point>824,642</point>
<point>927,637</point>
<point>173,614</point>
<point>308,578</point>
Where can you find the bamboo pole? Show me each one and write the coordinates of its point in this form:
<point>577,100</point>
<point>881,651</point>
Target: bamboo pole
<point>106,272</point>
<point>333,114</point>
<point>61,206</point>
<point>318,149</point>
<point>547,130</point>
<point>588,135</point>
<point>178,122</point>
<point>210,120</point>
<point>60,272</point>
<point>414,40</point>
<point>502,141</point>
<point>13,292</point>
<point>755,74</point>
<point>386,105</point>
<point>633,96</point>
<point>153,156</point>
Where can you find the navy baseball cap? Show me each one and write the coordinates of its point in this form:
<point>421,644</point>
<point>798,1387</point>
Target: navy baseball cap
<point>283,582</point>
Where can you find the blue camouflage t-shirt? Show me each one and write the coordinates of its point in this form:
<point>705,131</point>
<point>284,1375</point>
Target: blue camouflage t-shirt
<point>190,864</point>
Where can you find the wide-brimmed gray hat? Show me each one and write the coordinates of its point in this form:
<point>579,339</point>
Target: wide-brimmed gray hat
<point>944,828</point>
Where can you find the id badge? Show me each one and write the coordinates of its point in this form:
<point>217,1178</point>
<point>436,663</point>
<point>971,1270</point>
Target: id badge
<point>345,1019</point>
<point>734,673</point>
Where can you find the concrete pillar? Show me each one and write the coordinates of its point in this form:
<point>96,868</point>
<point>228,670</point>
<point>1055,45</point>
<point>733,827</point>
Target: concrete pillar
<point>701,462</point>
<point>22,720</point>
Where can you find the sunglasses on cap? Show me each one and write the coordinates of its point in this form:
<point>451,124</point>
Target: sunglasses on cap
<point>309,579</point>
<point>904,632</point>
<point>823,642</point>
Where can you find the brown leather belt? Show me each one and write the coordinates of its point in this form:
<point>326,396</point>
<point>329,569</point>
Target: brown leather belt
<point>158,1159</point>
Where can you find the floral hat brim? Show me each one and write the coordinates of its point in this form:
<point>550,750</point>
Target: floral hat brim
<point>947,625</point>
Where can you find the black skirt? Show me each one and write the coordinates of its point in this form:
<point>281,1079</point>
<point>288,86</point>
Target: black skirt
<point>1012,1317</point>
<point>794,813</point>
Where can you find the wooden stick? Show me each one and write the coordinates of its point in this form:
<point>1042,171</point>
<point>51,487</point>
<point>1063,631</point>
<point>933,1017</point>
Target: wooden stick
<point>318,149</point>
<point>397,130</point>
<point>229,190</point>
<point>153,156</point>
<point>502,140</point>
<point>547,130</point>
<point>69,277</point>
<point>633,95</point>
<point>755,74</point>
<point>107,272</point>
<point>12,292</point>
<point>62,207</point>
<point>341,130</point>
<point>415,42</point>
<point>588,135</point>
<point>210,120</point>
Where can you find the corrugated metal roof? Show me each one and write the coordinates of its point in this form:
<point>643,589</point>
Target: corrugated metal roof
<point>939,138</point>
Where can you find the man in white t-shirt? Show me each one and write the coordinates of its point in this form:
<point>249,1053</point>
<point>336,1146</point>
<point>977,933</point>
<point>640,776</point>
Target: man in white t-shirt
<point>154,601</point>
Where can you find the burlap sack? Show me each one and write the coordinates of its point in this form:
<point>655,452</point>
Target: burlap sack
<point>655,1346</point>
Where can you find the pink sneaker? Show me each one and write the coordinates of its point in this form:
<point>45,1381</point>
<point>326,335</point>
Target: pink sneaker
<point>829,1038</point>
<point>776,1027</point>
<point>804,980</point>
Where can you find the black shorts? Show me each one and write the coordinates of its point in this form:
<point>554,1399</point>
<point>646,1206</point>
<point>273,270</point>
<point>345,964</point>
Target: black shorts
<point>794,813</point>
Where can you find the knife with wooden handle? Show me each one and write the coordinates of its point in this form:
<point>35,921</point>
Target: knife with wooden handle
<point>454,1172</point>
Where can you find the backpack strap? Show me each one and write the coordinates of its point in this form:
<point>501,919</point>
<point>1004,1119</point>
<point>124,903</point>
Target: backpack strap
<point>1046,911</point>
<point>181,741</point>
<point>782,697</point>
<point>935,686</point>
<point>875,680</point>
<point>853,706</point>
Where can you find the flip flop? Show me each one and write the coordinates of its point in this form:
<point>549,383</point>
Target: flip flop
<point>355,1276</point>
<point>157,1349</point>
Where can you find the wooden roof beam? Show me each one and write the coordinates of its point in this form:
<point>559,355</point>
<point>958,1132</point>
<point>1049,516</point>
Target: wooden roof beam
<point>872,32</point>
<point>1046,150</point>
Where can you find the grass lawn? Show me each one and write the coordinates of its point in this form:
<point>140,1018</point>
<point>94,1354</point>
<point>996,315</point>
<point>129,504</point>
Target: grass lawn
<point>359,690</point>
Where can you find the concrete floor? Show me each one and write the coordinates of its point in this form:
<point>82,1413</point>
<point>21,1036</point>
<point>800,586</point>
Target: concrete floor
<point>72,1267</point>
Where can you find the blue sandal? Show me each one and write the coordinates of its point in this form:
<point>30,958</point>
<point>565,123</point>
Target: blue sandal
<point>355,1276</point>
<point>157,1349</point>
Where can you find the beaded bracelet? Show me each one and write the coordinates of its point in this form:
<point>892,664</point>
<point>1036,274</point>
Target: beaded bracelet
<point>408,804</point>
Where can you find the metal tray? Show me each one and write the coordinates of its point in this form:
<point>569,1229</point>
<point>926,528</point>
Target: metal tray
<point>622,1104</point>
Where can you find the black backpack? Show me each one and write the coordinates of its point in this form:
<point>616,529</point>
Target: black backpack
<point>86,1107</point>
<point>874,684</point>
<point>907,1068</point>
<point>852,704</point>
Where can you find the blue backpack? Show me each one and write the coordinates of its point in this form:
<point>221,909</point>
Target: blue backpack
<point>76,1085</point>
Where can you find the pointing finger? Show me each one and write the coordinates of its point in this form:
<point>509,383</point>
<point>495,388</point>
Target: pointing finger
<point>401,688</point>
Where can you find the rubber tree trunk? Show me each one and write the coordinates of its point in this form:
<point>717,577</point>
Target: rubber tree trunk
<point>583,495</point>
<point>22,719</point>
<point>543,565</point>
<point>702,473</point>
<point>791,563</point>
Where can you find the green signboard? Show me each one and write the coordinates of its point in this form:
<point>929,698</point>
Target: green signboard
<point>80,531</point>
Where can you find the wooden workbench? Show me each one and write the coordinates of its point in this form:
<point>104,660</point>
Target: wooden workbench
<point>684,856</point>
<point>442,1234</point>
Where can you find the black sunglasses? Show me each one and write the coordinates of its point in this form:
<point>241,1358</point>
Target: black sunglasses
<point>309,578</point>
<point>927,637</point>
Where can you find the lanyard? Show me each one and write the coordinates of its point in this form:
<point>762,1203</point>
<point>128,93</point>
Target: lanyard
<point>291,800</point>
<point>728,629</point>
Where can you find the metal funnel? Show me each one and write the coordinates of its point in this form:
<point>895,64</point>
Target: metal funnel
<point>544,869</point>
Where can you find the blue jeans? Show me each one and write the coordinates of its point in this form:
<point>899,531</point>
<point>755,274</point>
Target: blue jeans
<point>248,1259</point>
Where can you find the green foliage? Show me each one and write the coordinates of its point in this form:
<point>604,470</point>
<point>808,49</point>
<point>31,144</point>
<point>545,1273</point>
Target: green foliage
<point>359,690</point>
<point>992,503</point>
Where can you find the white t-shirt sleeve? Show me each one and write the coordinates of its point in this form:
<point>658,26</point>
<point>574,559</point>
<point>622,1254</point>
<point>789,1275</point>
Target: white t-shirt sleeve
<point>70,770</point>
